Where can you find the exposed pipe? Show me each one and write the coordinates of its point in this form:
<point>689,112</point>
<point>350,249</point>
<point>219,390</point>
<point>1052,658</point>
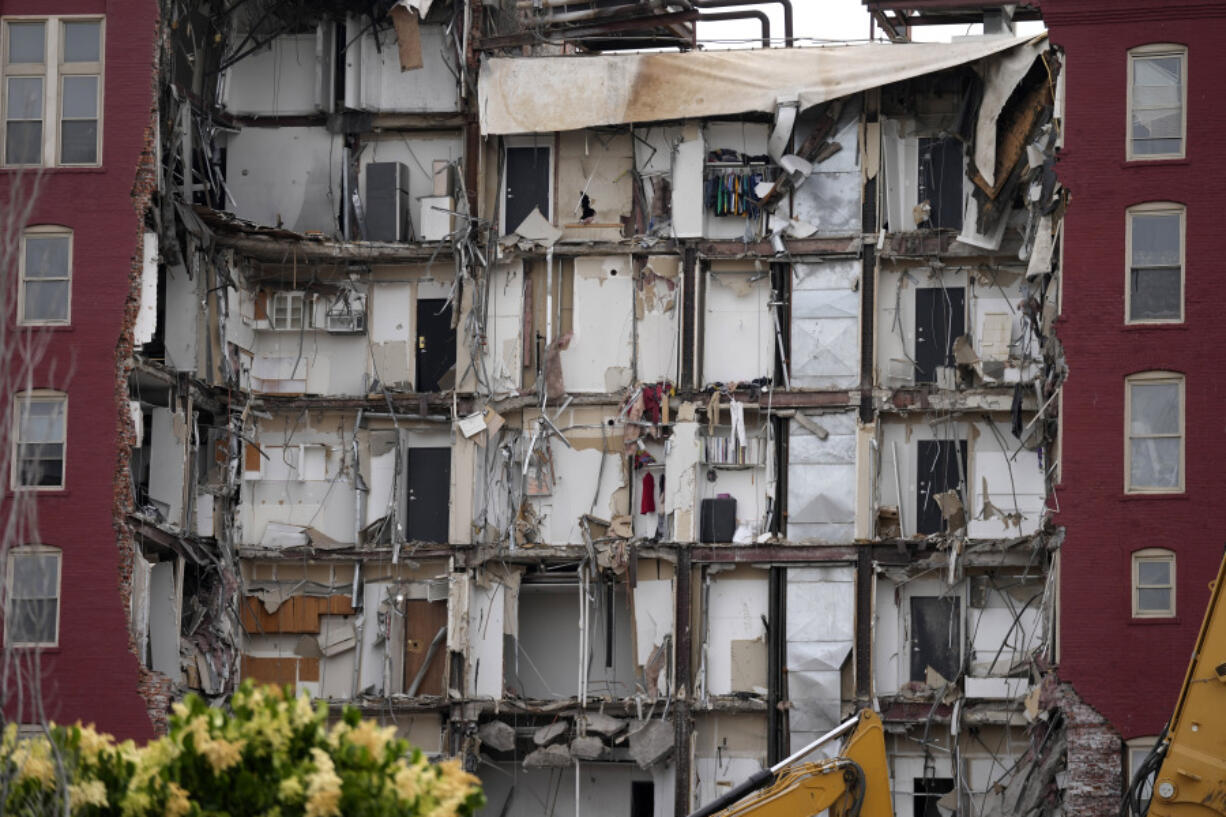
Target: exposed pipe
<point>787,12</point>
<point>742,15</point>
<point>531,4</point>
<point>581,14</point>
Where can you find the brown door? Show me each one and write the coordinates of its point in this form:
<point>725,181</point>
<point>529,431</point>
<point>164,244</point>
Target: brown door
<point>422,621</point>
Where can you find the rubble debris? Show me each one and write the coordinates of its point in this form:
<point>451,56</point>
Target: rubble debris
<point>587,748</point>
<point>601,723</point>
<point>549,733</point>
<point>497,735</point>
<point>553,756</point>
<point>651,742</point>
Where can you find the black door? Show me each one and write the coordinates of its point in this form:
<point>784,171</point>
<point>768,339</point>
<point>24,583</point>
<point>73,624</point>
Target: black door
<point>435,342</point>
<point>937,469</point>
<point>940,181</point>
<point>429,491</point>
<point>936,636</point>
<point>527,184</point>
<point>940,318</point>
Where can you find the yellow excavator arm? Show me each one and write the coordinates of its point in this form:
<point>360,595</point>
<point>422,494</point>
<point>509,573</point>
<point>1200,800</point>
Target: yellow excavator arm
<point>1191,779</point>
<point>854,784</point>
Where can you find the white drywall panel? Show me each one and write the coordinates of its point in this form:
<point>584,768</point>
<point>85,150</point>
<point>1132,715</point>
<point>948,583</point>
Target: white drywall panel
<point>890,654</point>
<point>382,482</point>
<point>900,166</point>
<point>370,671</point>
<point>504,346</point>
<point>822,479</point>
<point>998,643</point>
<point>728,749</point>
<point>687,205</point>
<point>324,505</point>
<point>821,608</point>
<point>656,299</point>
<point>826,325</point>
<point>164,620</point>
<point>285,176</point>
<point>486,625</point>
<point>653,616</point>
<point>313,361</point>
<point>336,671</point>
<point>277,80</point>
<point>681,487</point>
<point>167,466</point>
<point>374,81</point>
<point>391,316</point>
<point>147,312</point>
<point>577,473</point>
<point>830,199</point>
<point>599,356</point>
<point>1004,486</point>
<point>737,603</point>
<point>739,329</point>
<point>183,302</point>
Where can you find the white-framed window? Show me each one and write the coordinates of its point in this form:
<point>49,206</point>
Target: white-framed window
<point>40,440</point>
<point>1137,750</point>
<point>32,615</point>
<point>1153,583</point>
<point>288,311</point>
<point>46,276</point>
<point>1154,436</point>
<point>1157,101</point>
<point>51,93</point>
<point>1154,289</point>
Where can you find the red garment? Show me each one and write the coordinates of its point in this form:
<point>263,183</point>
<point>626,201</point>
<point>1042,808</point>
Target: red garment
<point>648,504</point>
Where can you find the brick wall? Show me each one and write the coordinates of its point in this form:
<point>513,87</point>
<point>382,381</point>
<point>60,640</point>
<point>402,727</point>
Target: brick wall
<point>1131,670</point>
<point>93,675</point>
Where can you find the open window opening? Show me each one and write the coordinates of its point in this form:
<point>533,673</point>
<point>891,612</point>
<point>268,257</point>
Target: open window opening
<point>543,658</point>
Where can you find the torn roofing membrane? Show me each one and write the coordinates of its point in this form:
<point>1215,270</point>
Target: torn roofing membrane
<point>568,93</point>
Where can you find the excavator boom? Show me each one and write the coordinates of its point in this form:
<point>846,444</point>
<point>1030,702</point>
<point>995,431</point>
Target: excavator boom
<point>854,784</point>
<point>1192,778</point>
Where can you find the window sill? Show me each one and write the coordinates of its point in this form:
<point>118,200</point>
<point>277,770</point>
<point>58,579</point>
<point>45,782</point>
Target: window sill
<point>1155,620</point>
<point>1130,163</point>
<point>51,327</point>
<point>38,493</point>
<point>1163,326</point>
<point>52,169</point>
<point>1168,496</point>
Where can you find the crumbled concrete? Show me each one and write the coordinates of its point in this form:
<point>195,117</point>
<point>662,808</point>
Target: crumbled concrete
<point>651,743</point>
<point>497,735</point>
<point>587,748</point>
<point>551,732</point>
<point>603,724</point>
<point>548,757</point>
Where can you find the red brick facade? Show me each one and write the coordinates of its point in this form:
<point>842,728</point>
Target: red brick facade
<point>1127,669</point>
<point>93,675</point>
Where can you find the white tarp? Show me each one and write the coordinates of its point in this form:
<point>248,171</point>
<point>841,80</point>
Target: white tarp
<point>545,94</point>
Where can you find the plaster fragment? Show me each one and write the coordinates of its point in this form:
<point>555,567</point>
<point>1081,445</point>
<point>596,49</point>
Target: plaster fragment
<point>548,733</point>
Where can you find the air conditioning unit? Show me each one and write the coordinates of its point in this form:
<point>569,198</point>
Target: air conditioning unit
<point>387,202</point>
<point>346,314</point>
<point>342,323</point>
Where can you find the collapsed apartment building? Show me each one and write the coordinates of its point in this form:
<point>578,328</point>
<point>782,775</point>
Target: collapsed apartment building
<point>618,421</point>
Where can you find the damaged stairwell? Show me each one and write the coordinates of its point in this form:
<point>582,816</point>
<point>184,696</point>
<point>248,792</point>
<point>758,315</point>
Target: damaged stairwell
<point>583,438</point>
